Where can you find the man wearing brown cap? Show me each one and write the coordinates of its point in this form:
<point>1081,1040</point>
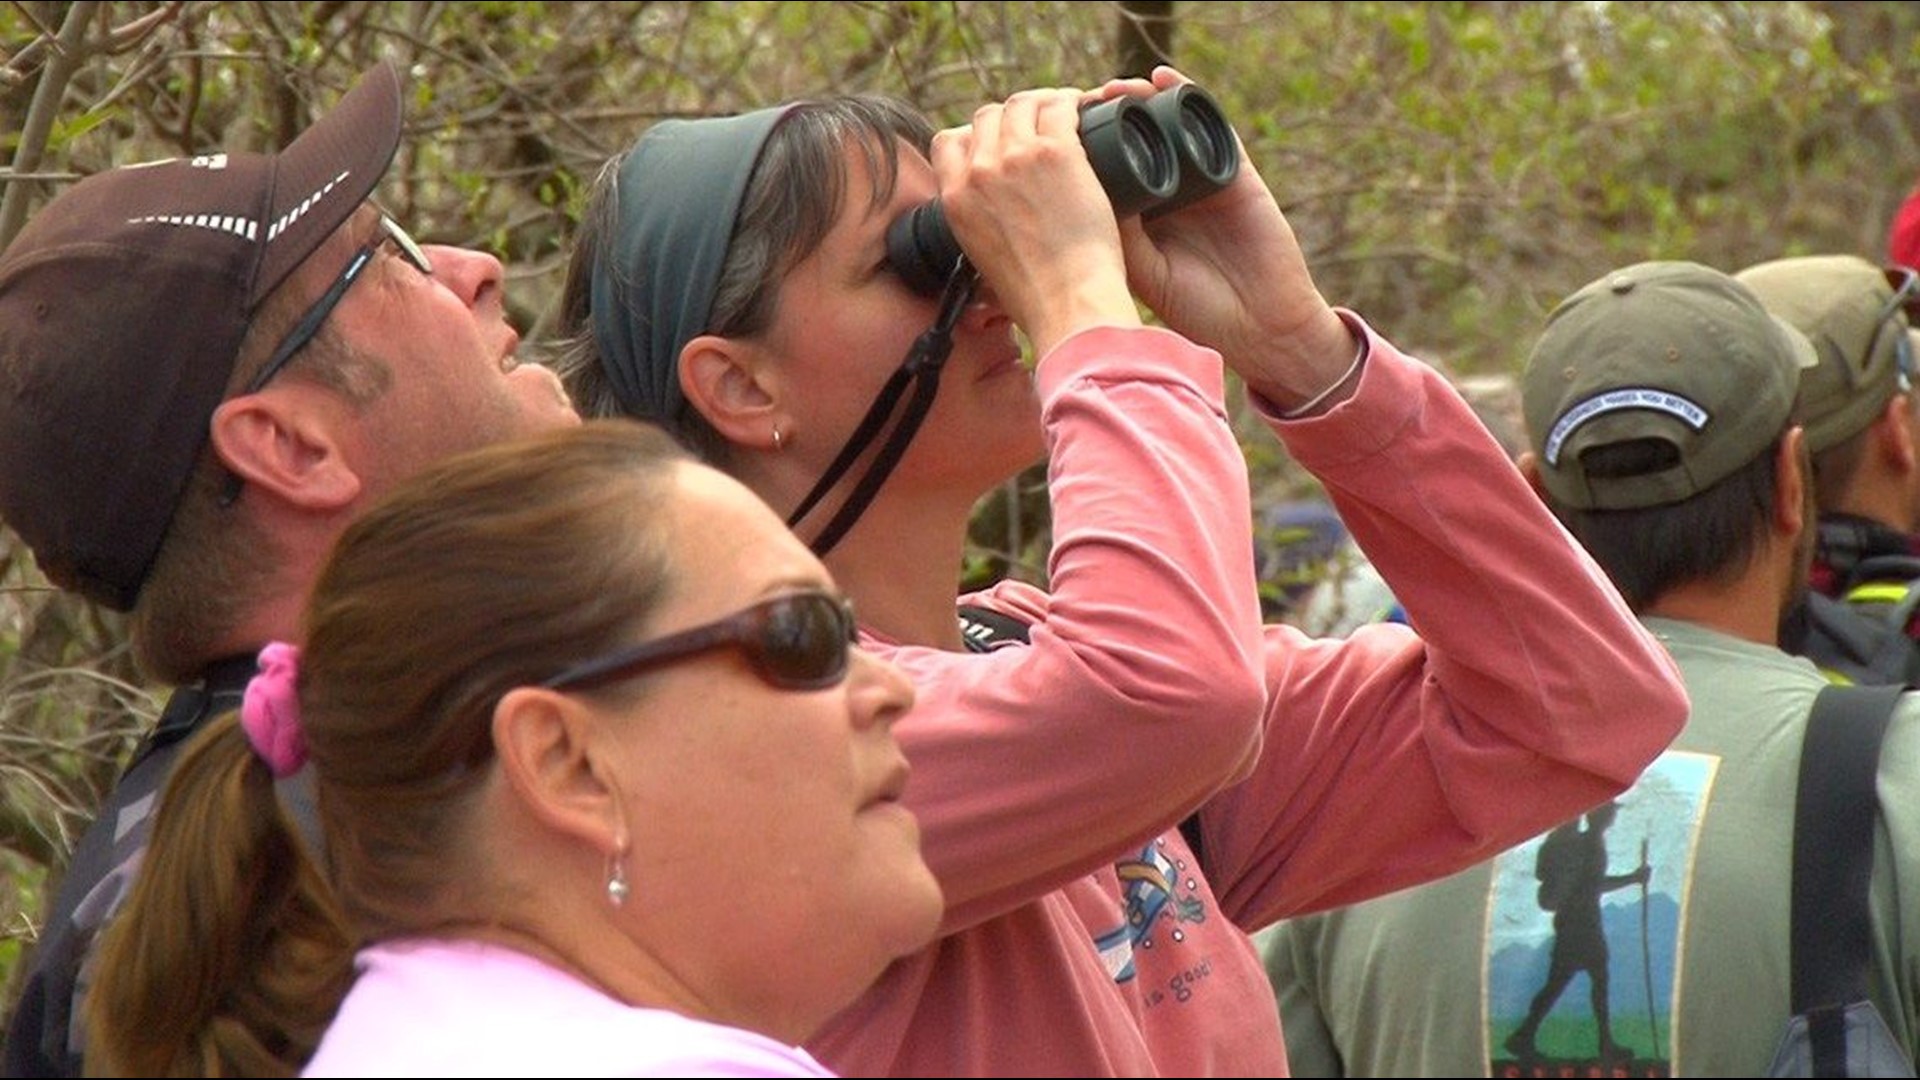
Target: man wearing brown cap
<point>1863,435</point>
<point>208,366</point>
<point>1660,405</point>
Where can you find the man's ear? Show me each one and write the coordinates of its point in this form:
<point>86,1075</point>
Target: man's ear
<point>545,742</point>
<point>1529,464</point>
<point>723,379</point>
<point>1792,477</point>
<point>281,440</point>
<point>1894,433</point>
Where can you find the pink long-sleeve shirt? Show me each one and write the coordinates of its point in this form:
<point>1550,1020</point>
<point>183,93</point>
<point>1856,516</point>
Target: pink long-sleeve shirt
<point>1082,937</point>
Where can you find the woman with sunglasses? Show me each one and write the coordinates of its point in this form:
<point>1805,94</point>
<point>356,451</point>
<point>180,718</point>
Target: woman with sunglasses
<point>734,281</point>
<point>604,787</point>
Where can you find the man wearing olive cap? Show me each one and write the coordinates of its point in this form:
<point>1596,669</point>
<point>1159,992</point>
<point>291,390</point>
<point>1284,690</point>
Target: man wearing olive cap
<point>1862,431</point>
<point>1660,402</point>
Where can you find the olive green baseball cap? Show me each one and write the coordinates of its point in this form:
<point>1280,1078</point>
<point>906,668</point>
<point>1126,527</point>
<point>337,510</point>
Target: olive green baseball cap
<point>1674,354</point>
<point>1847,307</point>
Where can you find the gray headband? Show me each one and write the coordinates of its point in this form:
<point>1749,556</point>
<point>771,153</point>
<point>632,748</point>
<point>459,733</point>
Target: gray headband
<point>678,197</point>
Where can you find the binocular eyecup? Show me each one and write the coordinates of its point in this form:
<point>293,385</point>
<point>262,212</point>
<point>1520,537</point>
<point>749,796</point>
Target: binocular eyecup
<point>1152,156</point>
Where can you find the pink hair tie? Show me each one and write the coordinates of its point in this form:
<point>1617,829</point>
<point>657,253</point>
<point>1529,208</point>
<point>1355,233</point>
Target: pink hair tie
<point>270,712</point>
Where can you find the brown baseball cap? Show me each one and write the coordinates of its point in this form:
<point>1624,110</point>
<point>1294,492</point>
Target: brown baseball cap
<point>123,304</point>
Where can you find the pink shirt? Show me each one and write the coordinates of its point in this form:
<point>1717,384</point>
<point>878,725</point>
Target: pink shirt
<point>1082,938</point>
<point>464,1008</point>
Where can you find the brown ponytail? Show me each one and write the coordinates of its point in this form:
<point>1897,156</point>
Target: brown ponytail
<point>230,955</point>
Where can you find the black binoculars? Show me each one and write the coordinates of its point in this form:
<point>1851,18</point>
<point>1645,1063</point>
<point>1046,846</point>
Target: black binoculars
<point>1152,156</point>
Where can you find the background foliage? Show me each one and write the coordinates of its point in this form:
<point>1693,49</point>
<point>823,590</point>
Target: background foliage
<point>1452,169</point>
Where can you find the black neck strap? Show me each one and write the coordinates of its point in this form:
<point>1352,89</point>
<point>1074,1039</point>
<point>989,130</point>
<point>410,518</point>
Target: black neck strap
<point>220,688</point>
<point>920,372</point>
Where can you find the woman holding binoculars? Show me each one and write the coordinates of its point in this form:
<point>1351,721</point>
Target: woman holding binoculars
<point>1122,773</point>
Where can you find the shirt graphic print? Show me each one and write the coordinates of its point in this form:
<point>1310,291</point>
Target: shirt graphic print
<point>1583,933</point>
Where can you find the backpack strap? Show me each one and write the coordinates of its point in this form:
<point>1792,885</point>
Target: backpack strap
<point>1833,634</point>
<point>1901,596</point>
<point>220,688</point>
<point>1843,542</point>
<point>985,630</point>
<point>1833,819</point>
<point>1891,604</point>
<point>1897,569</point>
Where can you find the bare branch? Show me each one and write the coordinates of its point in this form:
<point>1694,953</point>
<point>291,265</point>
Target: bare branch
<point>68,55</point>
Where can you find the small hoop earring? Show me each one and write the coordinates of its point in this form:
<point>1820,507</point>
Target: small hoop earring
<point>779,441</point>
<point>617,888</point>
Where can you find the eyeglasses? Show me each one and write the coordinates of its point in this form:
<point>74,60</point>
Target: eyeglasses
<point>1905,283</point>
<point>309,325</point>
<point>798,641</point>
<point>303,332</point>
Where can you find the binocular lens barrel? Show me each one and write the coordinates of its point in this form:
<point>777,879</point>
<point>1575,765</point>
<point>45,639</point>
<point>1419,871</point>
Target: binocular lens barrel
<point>1202,138</point>
<point>1151,156</point>
<point>1131,153</point>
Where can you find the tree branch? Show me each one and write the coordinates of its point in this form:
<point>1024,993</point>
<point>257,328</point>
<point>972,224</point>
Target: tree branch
<point>66,59</point>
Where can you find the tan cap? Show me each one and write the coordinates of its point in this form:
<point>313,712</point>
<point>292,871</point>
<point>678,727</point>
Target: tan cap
<point>1849,309</point>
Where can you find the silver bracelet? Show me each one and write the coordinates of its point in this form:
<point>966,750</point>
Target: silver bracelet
<point>1318,399</point>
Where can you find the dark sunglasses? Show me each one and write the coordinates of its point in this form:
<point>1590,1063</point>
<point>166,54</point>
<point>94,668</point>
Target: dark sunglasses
<point>1905,283</point>
<point>798,641</point>
<point>309,325</point>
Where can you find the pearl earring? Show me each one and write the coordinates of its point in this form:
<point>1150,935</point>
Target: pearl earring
<point>617,888</point>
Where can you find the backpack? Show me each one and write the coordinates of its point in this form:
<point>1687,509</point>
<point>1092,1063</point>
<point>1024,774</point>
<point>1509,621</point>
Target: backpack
<point>1835,1030</point>
<point>1885,586</point>
<point>1550,866</point>
<point>1862,639</point>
